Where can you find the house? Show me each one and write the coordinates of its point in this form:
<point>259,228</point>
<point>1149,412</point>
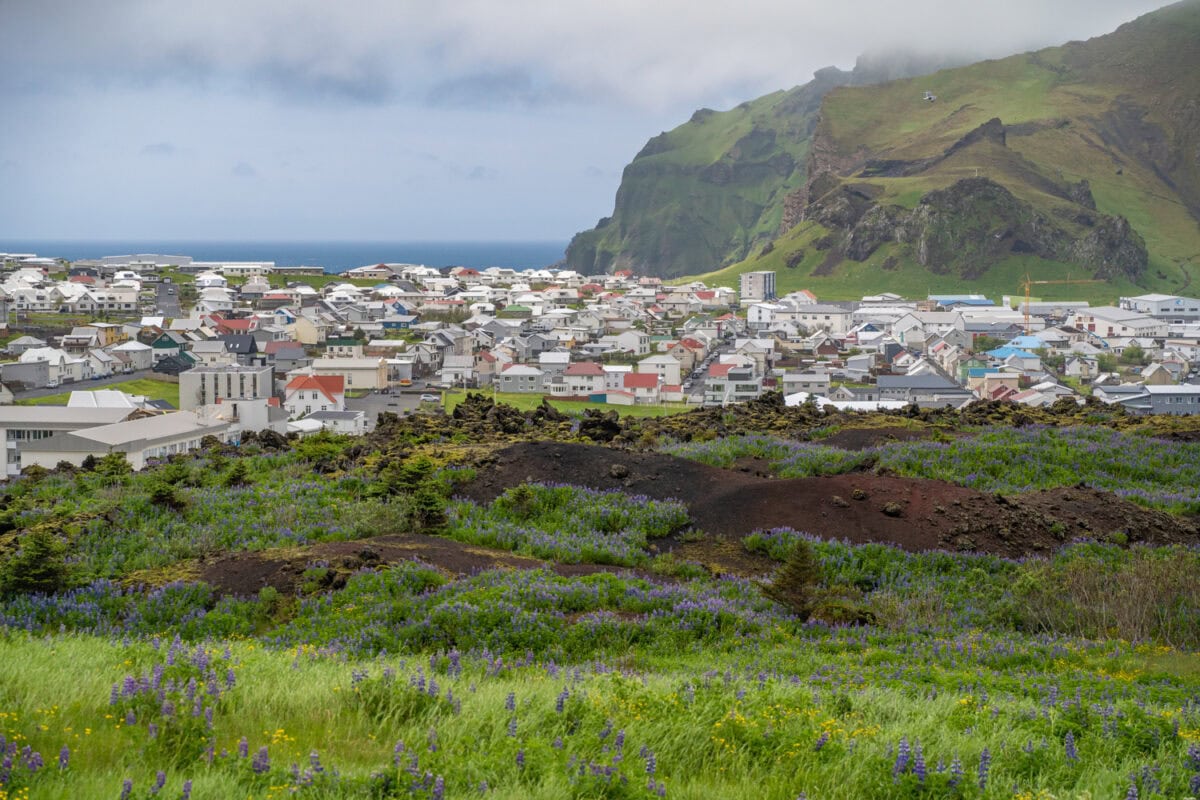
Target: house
<point>665,367</point>
<point>305,394</point>
<point>929,391</point>
<point>457,370</point>
<point>730,383</point>
<point>644,386</point>
<point>520,378</point>
<point>353,423</point>
<point>1178,399</point>
<point>141,356</point>
<point>583,378</point>
<point>360,373</point>
<point>815,383</point>
<point>212,353</point>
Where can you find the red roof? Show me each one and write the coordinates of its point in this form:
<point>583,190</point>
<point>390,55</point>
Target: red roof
<point>271,348</point>
<point>584,368</point>
<point>328,385</point>
<point>691,344</point>
<point>623,273</point>
<point>82,279</point>
<point>710,295</point>
<point>719,370</point>
<point>641,380</point>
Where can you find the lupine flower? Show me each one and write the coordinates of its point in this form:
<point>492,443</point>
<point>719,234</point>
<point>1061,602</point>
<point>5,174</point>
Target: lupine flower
<point>510,702</point>
<point>1069,747</point>
<point>261,762</point>
<point>956,771</point>
<point>314,759</point>
<point>243,747</point>
<point>985,761</point>
<point>822,740</point>
<point>521,761</point>
<point>126,789</point>
<point>187,791</point>
<point>64,757</point>
<point>439,788</point>
<point>902,756</point>
<point>160,780</point>
<point>919,763</point>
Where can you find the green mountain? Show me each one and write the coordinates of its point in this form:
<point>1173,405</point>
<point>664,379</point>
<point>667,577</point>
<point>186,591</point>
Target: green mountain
<point>708,192</point>
<point>1073,162</point>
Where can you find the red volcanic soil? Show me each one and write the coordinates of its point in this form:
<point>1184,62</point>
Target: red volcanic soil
<point>727,504</point>
<point>914,514</point>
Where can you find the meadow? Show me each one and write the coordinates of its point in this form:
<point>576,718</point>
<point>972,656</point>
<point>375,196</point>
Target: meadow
<point>938,674</point>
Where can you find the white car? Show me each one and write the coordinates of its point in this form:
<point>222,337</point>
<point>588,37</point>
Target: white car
<point>430,398</point>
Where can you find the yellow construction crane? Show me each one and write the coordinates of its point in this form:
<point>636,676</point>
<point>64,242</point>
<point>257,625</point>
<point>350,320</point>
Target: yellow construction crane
<point>1029,283</point>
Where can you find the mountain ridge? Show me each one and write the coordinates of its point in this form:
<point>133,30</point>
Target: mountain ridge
<point>1091,151</point>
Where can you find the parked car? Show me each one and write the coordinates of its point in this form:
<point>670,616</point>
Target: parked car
<point>430,398</point>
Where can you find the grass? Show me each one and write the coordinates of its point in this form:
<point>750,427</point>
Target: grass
<point>529,402</point>
<point>970,677</point>
<point>148,387</point>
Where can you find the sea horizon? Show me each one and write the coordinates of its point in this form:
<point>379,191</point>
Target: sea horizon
<point>333,256</point>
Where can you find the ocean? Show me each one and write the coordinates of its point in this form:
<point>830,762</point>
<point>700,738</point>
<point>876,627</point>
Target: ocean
<point>333,256</point>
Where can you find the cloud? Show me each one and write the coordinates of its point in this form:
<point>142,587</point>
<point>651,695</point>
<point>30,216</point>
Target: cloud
<point>158,149</point>
<point>243,170</point>
<point>481,173</point>
<point>519,53</point>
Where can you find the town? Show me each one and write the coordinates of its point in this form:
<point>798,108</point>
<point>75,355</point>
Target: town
<point>257,347</point>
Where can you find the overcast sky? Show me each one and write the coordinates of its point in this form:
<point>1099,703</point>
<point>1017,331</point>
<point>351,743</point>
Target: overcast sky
<point>410,119</point>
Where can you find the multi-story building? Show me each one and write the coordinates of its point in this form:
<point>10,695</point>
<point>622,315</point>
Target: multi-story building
<point>204,386</point>
<point>757,286</point>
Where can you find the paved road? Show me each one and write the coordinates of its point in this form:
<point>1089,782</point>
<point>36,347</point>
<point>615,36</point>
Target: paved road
<point>168,300</point>
<point>397,403</point>
<point>86,386</point>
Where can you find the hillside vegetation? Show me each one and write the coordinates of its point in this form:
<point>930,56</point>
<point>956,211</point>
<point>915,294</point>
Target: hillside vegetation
<point>1074,161</point>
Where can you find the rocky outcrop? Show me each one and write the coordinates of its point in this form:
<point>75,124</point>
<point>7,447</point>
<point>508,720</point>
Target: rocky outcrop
<point>971,225</point>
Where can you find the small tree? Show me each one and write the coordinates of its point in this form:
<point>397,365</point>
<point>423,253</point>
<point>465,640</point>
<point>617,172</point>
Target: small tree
<point>38,565</point>
<point>797,582</point>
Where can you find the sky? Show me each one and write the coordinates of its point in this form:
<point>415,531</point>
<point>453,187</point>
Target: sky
<point>417,120</point>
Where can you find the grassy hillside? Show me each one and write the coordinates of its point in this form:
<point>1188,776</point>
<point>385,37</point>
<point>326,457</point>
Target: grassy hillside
<point>1077,160</point>
<point>710,191</point>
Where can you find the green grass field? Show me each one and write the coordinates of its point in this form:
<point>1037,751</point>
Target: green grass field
<point>150,388</point>
<point>528,402</point>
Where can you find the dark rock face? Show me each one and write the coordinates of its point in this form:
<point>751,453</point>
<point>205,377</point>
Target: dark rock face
<point>970,225</point>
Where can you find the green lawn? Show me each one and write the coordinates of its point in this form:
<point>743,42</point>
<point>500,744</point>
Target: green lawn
<point>152,389</point>
<point>528,402</point>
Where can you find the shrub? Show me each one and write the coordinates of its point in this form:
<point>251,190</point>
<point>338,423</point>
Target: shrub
<point>796,583</point>
<point>38,565</point>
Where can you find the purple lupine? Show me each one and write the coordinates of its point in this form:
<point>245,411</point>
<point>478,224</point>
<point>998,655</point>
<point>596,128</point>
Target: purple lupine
<point>521,761</point>
<point>956,772</point>
<point>561,702</point>
<point>651,763</point>
<point>439,788</point>
<point>261,762</point>
<point>314,759</point>
<point>152,730</point>
<point>1132,794</point>
<point>919,763</point>
<point>985,762</point>
<point>243,747</point>
<point>160,780</point>
<point>510,702</point>
<point>130,717</point>
<point>64,757</point>
<point>114,696</point>
<point>902,756</point>
<point>822,740</point>
<point>126,789</point>
<point>1069,747</point>
<point>187,790</point>
<point>396,752</point>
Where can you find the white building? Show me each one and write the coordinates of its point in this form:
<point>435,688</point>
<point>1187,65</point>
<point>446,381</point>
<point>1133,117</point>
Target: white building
<point>138,439</point>
<point>757,286</point>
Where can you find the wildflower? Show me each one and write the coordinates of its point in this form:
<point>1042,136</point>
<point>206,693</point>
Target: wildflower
<point>187,791</point>
<point>985,761</point>
<point>261,762</point>
<point>919,763</point>
<point>314,759</point>
<point>126,789</point>
<point>822,740</point>
<point>510,702</point>
<point>243,747</point>
<point>160,780</point>
<point>1069,747</point>
<point>439,788</point>
<point>64,757</point>
<point>902,756</point>
<point>521,761</point>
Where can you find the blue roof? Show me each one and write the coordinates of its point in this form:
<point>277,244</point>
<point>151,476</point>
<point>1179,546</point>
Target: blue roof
<point>1007,351</point>
<point>960,300</point>
<point>1026,342</point>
